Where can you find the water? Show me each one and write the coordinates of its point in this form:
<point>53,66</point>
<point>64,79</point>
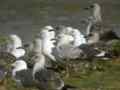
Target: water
<point>26,17</point>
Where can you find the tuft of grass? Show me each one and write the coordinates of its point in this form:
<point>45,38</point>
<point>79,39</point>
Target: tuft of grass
<point>116,47</point>
<point>3,39</point>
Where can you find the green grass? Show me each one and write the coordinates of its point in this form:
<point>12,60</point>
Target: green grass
<point>106,78</point>
<point>109,77</point>
<point>3,39</point>
<point>90,75</point>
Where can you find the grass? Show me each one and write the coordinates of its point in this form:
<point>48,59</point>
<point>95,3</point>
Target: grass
<point>108,77</point>
<point>90,75</point>
<point>91,79</point>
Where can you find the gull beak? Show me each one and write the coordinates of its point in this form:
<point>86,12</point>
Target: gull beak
<point>87,8</point>
<point>53,39</point>
<point>20,48</point>
<point>52,30</point>
<point>26,45</point>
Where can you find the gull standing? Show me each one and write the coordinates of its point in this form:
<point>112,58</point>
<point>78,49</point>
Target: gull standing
<point>98,30</point>
<point>43,46</point>
<point>22,74</point>
<point>68,42</point>
<point>46,77</point>
<point>47,36</point>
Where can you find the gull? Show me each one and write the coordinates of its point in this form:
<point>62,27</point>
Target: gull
<point>97,12</point>
<point>21,74</point>
<point>76,45</point>
<point>46,77</point>
<point>47,36</point>
<point>46,41</point>
<point>68,41</point>
<point>97,34</point>
<point>42,48</point>
<point>42,79</point>
<point>41,73</point>
<point>97,30</point>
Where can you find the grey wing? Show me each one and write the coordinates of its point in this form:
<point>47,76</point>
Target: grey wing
<point>49,80</point>
<point>89,51</point>
<point>25,77</point>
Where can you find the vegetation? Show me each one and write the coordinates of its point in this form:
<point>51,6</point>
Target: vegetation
<point>86,75</point>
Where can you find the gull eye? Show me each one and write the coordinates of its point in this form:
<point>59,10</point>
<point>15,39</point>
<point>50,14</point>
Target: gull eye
<point>53,39</point>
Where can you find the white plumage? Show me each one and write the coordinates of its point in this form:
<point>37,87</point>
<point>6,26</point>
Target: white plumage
<point>16,40</point>
<point>18,66</point>
<point>64,39</point>
<point>78,38</point>
<point>42,47</point>
<point>68,42</point>
<point>40,72</point>
<point>97,12</point>
<point>15,47</point>
<point>39,57</point>
<point>39,64</point>
<point>47,37</point>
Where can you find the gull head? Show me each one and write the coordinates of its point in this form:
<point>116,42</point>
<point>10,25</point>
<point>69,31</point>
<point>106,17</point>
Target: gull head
<point>49,27</point>
<point>93,6</point>
<point>97,12</point>
<point>17,42</point>
<point>96,17</point>
<point>69,29</point>
<point>47,32</point>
